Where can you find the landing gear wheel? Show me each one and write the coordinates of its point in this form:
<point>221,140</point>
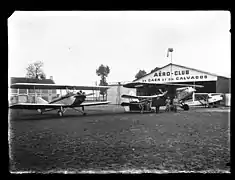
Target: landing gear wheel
<point>84,114</point>
<point>214,105</point>
<point>185,107</point>
<point>40,111</point>
<point>60,113</point>
<point>157,109</point>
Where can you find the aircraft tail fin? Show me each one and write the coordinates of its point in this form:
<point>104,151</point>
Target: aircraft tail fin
<point>131,93</point>
<point>41,100</point>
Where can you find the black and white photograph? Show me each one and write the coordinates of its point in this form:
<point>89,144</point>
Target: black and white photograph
<point>121,91</point>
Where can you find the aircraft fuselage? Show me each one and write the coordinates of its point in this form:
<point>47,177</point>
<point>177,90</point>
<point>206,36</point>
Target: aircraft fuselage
<point>73,100</point>
<point>185,93</point>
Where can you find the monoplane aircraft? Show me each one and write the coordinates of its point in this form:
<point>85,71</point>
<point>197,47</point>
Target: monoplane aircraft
<point>206,99</point>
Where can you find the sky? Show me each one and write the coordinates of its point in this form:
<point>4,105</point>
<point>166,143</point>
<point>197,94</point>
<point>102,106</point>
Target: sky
<point>73,44</point>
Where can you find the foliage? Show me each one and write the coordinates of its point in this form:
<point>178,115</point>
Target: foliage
<point>140,74</point>
<point>103,72</point>
<point>155,69</point>
<point>34,70</point>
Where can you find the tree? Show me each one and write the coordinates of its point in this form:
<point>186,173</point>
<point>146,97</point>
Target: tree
<point>155,69</point>
<point>103,72</point>
<point>34,70</point>
<point>140,74</point>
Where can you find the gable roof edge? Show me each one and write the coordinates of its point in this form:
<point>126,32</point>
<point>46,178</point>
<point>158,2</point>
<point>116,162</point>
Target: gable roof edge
<point>182,67</point>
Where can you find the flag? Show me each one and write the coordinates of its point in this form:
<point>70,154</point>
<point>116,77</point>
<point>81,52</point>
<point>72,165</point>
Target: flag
<point>169,50</point>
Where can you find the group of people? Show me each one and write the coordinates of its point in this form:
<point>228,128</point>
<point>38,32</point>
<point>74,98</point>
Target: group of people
<point>158,102</point>
<point>174,104</point>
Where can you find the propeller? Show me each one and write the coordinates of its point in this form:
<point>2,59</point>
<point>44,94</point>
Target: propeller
<point>164,93</point>
<point>181,89</point>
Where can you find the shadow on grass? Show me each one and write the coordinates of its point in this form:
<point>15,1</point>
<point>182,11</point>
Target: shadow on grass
<point>53,115</point>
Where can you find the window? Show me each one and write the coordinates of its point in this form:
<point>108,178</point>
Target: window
<point>45,91</point>
<point>31,91</point>
<point>14,90</point>
<point>38,90</point>
<point>22,91</point>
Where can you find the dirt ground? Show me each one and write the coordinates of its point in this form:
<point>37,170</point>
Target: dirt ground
<point>110,139</point>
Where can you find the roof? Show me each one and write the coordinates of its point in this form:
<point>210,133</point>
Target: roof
<point>154,70</point>
<point>181,67</point>
<point>118,83</point>
<point>54,86</point>
<point>160,85</point>
<point>31,80</point>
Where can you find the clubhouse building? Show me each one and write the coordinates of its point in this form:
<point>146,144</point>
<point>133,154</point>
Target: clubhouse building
<point>27,95</point>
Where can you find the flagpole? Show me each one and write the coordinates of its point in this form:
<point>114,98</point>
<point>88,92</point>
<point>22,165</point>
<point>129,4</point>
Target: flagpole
<point>171,57</point>
<point>170,50</point>
<point>171,65</point>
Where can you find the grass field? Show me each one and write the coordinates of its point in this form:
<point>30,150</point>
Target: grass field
<point>109,139</point>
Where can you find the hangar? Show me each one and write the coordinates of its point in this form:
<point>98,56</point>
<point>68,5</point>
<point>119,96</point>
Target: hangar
<point>173,73</point>
<point>184,75</point>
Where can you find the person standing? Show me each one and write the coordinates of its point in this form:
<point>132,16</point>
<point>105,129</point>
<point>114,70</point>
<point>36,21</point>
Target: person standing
<point>175,102</point>
<point>156,102</point>
<point>168,102</point>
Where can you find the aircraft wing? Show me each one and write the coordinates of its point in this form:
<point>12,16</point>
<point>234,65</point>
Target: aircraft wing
<point>54,86</point>
<point>128,104</point>
<point>146,84</point>
<point>129,96</point>
<point>139,97</point>
<point>37,106</point>
<point>94,103</point>
<point>52,106</point>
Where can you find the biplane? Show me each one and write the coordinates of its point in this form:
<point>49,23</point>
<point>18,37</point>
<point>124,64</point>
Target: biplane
<point>73,99</point>
<point>145,103</point>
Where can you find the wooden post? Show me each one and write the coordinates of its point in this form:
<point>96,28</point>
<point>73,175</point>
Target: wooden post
<point>27,92</point>
<point>34,95</point>
<point>93,95</point>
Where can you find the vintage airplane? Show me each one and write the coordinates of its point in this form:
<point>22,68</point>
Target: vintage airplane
<point>182,93</point>
<point>206,99</point>
<point>143,103</point>
<point>70,100</point>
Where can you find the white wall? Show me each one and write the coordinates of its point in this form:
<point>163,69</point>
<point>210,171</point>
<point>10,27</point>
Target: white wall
<point>227,99</point>
<point>114,94</point>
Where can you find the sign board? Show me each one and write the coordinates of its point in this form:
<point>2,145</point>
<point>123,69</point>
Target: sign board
<point>177,74</point>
